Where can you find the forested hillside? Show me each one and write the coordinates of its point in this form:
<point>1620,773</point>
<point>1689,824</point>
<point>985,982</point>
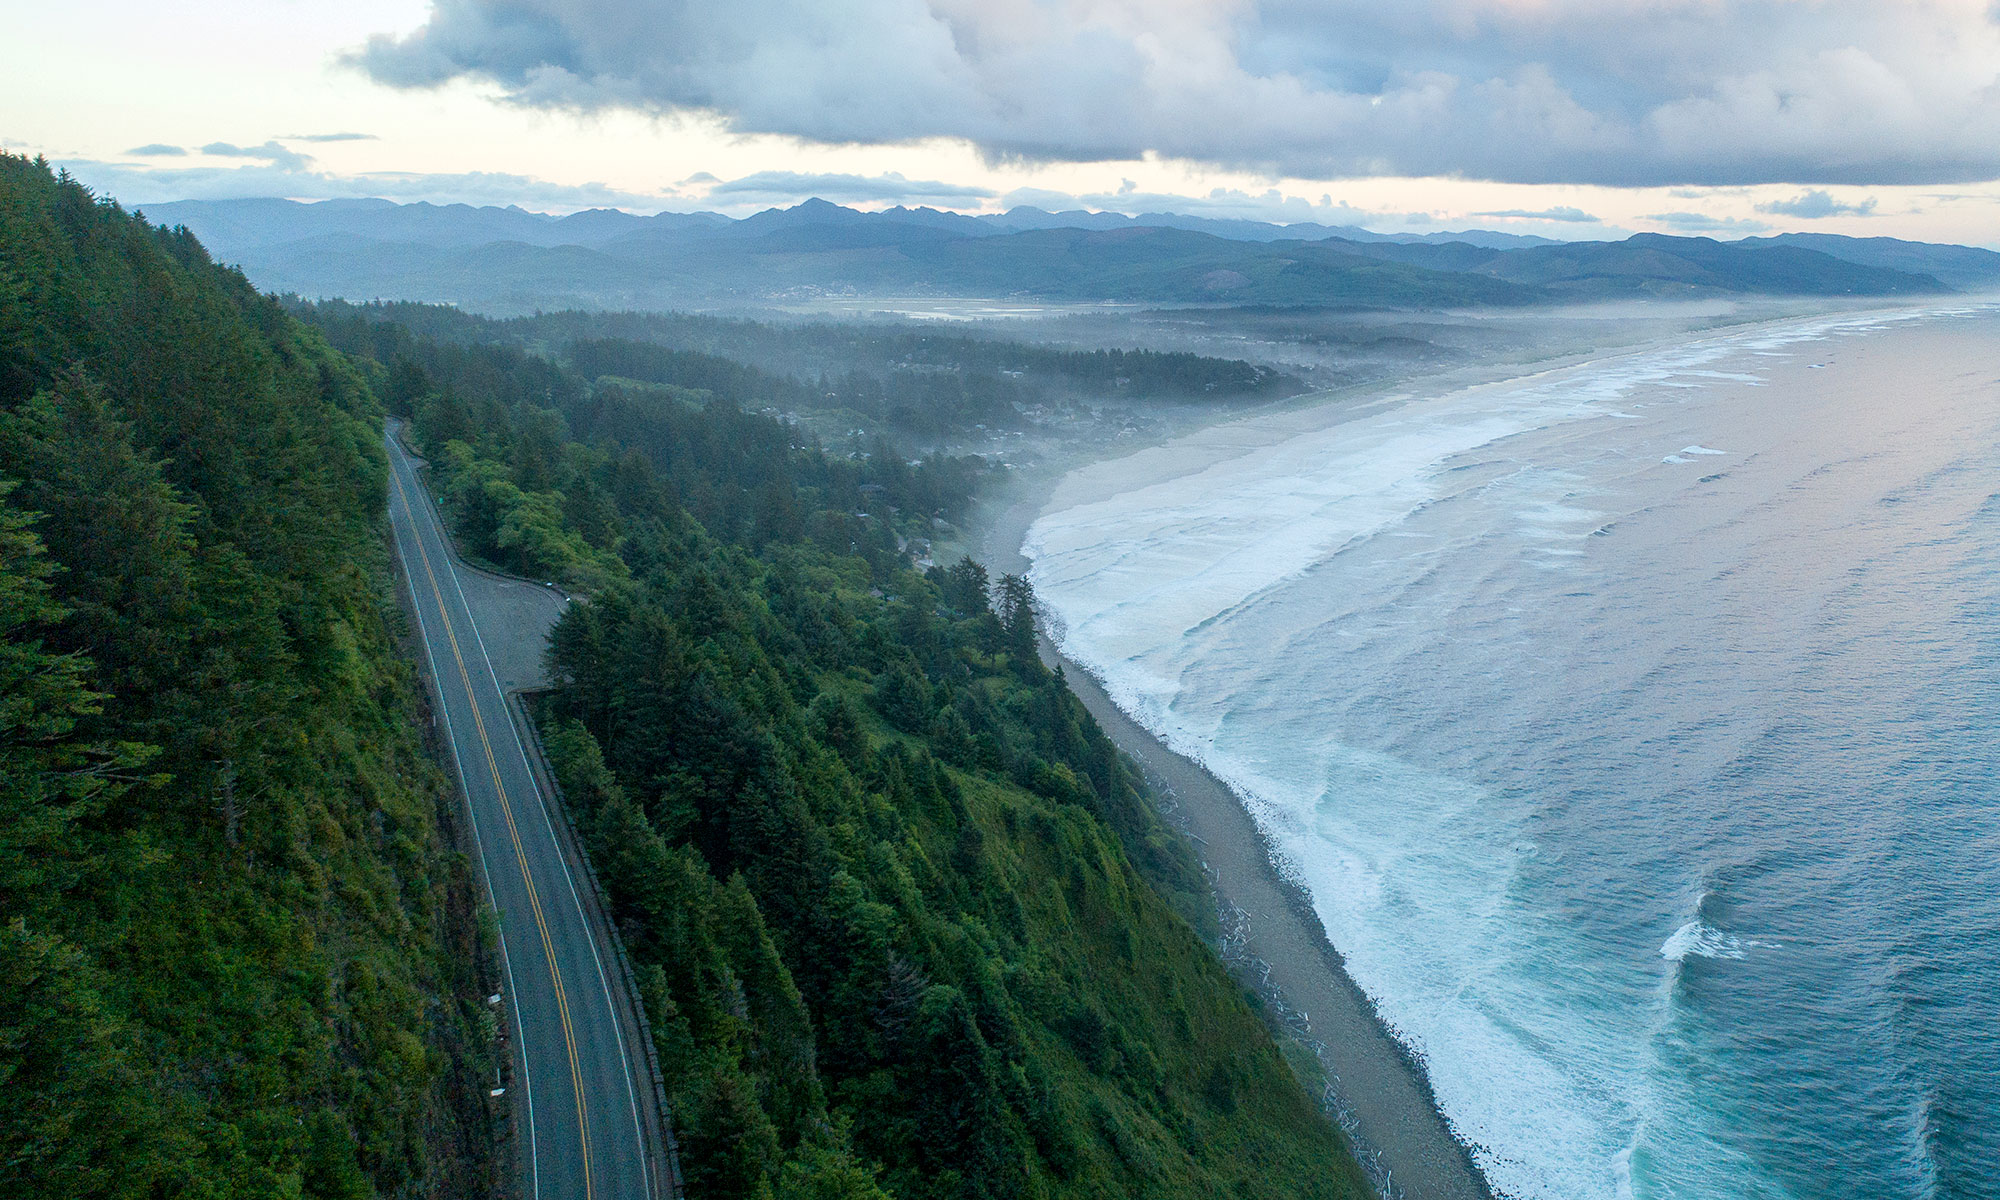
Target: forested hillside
<point>906,923</point>
<point>236,955</point>
<point>923,384</point>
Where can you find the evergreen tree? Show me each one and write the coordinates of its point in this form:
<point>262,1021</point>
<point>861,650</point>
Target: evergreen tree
<point>904,921</point>
<point>236,956</point>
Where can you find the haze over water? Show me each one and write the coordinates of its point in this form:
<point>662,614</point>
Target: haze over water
<point>1633,729</point>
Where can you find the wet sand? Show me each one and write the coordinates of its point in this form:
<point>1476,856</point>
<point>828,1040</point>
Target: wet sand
<point>1380,1092</point>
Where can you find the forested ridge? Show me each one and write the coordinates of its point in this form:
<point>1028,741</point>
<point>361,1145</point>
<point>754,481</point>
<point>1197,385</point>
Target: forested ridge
<point>923,384</point>
<point>906,922</point>
<point>237,957</point>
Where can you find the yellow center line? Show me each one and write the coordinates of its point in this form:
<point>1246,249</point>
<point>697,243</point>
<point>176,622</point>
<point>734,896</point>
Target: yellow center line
<point>520,855</point>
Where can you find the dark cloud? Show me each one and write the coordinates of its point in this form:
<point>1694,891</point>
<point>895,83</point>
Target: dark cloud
<point>283,157</point>
<point>1815,203</point>
<point>330,137</point>
<point>1640,92</point>
<point>155,150</point>
<point>850,189</point>
<point>1565,214</point>
<point>1693,222</point>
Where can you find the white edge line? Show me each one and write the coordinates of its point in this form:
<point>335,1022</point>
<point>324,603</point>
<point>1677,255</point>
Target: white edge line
<point>562,859</point>
<point>479,843</point>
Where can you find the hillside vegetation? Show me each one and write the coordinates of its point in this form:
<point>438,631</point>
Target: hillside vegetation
<point>906,923</point>
<point>236,956</point>
<point>926,385</point>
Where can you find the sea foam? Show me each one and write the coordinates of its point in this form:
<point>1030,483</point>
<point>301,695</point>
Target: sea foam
<point>1698,939</point>
<point>1261,601</point>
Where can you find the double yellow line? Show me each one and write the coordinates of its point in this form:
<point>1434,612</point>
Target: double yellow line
<point>520,856</point>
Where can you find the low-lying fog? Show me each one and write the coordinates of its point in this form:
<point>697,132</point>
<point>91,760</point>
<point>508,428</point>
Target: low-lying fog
<point>1334,355</point>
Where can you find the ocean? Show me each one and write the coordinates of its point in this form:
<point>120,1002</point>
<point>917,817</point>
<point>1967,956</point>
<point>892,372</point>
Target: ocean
<point>1632,729</point>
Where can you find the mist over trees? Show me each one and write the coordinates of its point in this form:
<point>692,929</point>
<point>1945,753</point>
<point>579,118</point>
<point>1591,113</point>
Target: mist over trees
<point>906,922</point>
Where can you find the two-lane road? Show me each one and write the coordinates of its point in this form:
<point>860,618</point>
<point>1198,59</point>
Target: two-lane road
<point>576,1090</point>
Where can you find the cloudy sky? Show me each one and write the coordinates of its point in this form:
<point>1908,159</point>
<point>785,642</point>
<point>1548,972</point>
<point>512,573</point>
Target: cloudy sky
<point>1571,118</point>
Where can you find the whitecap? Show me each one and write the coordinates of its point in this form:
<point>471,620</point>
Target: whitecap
<point>1703,940</point>
<point>1175,567</point>
<point>1701,450</point>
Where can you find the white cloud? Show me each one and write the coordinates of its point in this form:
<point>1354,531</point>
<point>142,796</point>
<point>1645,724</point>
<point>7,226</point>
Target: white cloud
<point>1228,204</point>
<point>137,186</point>
<point>1694,222</point>
<point>1816,203</point>
<point>780,187</point>
<point>279,156</point>
<point>1563,213</point>
<point>1618,92</point>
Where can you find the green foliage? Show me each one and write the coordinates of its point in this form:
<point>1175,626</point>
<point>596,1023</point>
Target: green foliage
<point>234,942</point>
<point>820,1174</point>
<point>921,383</point>
<point>523,529</point>
<point>562,476</point>
<point>905,920</point>
<point>50,777</point>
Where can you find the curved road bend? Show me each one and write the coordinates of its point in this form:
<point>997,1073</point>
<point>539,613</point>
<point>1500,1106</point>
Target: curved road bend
<point>574,1084</point>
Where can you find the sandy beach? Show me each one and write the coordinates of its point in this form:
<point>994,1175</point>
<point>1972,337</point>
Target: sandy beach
<point>1379,1090</point>
<point>1380,1093</point>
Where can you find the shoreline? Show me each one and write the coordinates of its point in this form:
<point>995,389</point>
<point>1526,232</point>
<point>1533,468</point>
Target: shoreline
<point>1381,1090</point>
<point>1381,1093</point>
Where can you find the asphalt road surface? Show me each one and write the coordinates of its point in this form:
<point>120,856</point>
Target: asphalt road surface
<point>575,1086</point>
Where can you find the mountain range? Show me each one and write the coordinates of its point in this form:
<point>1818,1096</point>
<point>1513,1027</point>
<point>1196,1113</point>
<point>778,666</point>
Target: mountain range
<point>509,260</point>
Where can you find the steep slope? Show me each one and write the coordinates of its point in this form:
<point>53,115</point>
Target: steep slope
<point>238,958</point>
<point>907,923</point>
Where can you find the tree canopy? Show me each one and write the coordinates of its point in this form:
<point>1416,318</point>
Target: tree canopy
<point>906,921</point>
<point>237,956</point>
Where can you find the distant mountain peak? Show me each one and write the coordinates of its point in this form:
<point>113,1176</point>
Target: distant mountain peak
<point>502,259</point>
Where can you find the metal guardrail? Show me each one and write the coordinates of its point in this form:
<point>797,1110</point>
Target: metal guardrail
<point>668,1173</point>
